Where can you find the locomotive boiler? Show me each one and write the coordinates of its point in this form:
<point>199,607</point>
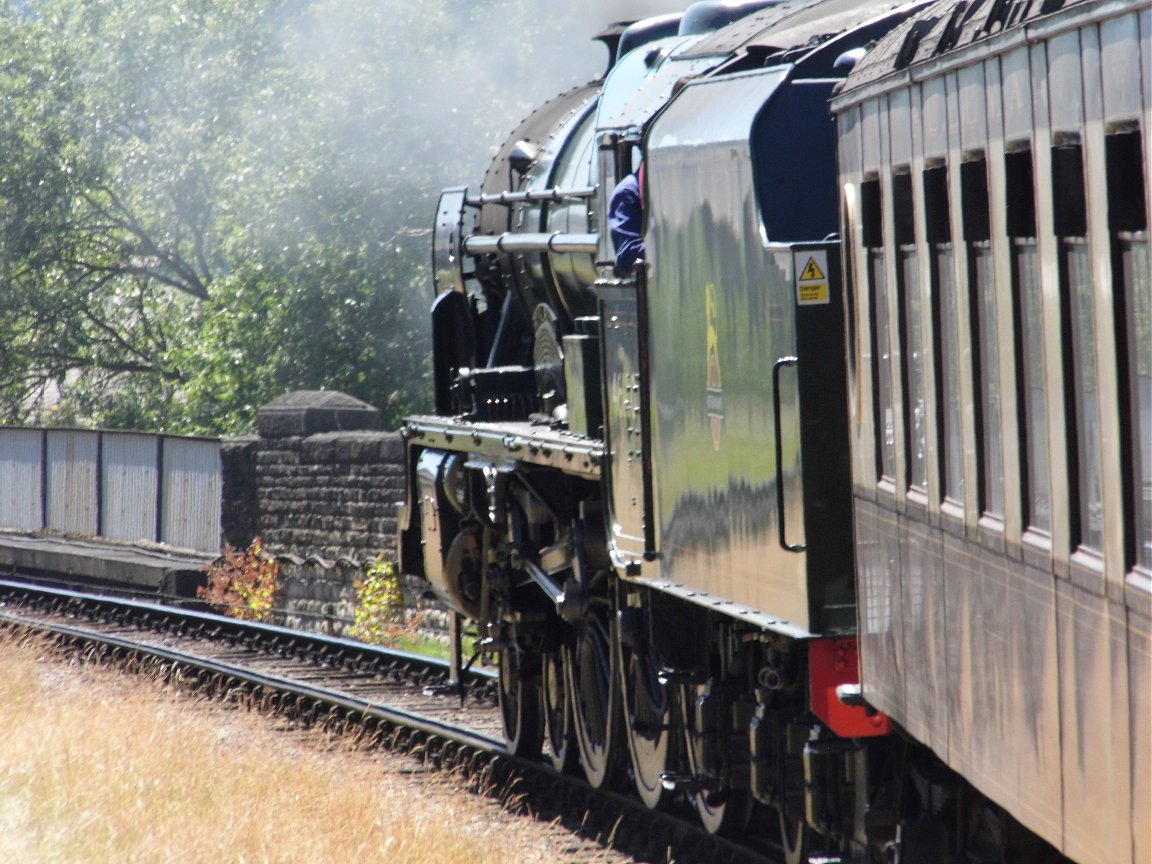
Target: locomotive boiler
<point>723,522</point>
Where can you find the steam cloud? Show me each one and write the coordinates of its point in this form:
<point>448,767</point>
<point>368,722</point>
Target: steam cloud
<point>429,96</point>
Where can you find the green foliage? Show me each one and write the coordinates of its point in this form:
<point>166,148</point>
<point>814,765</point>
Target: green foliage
<point>243,583</point>
<point>206,203</point>
<point>380,612</point>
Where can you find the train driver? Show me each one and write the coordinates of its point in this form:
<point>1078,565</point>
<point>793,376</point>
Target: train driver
<point>626,221</point>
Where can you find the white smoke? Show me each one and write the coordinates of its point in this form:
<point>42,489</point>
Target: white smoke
<point>430,91</point>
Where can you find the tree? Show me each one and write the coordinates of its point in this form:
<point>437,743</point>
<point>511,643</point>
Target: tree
<point>105,266</point>
<point>208,202</point>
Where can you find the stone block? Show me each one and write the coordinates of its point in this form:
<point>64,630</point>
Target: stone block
<point>307,412</point>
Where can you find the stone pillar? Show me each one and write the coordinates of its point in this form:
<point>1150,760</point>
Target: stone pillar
<point>239,493</point>
<point>328,481</point>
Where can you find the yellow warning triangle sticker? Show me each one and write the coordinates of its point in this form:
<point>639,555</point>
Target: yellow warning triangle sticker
<point>811,271</point>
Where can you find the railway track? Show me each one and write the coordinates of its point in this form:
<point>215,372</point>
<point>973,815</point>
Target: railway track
<point>375,696</point>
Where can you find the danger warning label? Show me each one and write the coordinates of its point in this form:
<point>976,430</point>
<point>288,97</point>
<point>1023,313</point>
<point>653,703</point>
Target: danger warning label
<point>812,281</point>
<point>812,271</point>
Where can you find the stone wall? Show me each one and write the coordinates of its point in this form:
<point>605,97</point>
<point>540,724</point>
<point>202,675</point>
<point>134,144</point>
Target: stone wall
<point>320,486</point>
<point>331,495</point>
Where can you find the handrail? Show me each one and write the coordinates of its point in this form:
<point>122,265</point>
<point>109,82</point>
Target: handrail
<point>554,195</point>
<point>557,242</point>
<point>776,367</point>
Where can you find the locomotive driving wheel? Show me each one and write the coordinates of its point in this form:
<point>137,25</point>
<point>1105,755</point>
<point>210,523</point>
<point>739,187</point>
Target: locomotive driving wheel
<point>592,682</point>
<point>519,697</point>
<point>558,709</point>
<point>647,709</point>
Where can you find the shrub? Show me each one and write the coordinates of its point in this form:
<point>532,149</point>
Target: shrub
<point>380,618</point>
<point>242,583</point>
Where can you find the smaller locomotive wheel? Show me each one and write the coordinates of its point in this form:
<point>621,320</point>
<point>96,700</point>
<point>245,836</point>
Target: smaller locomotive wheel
<point>795,839</point>
<point>724,812</point>
<point>519,704</point>
<point>592,682</point>
<point>558,710</point>
<point>721,809</point>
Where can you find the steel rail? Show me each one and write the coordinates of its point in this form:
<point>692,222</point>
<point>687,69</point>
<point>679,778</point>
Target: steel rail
<point>223,627</point>
<point>319,695</point>
<point>440,743</point>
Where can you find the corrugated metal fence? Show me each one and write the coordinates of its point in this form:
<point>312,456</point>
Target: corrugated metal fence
<point>120,485</point>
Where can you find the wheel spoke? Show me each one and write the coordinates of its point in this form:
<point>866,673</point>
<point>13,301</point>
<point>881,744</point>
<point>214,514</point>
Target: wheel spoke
<point>558,710</point>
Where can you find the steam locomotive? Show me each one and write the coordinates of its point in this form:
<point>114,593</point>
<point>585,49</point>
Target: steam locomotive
<point>833,517</point>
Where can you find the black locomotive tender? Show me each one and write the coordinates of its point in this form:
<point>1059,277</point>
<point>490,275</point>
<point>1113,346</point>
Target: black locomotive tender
<point>836,515</point>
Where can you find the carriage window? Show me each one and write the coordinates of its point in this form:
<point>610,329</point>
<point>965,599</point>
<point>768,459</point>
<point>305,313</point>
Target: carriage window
<point>908,286</point>
<point>1128,222</point>
<point>939,238</point>
<point>1033,404</point>
<point>977,238</point>
<point>1079,304</point>
<point>873,229</point>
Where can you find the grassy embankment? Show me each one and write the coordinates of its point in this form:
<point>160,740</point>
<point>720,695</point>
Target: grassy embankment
<point>101,767</point>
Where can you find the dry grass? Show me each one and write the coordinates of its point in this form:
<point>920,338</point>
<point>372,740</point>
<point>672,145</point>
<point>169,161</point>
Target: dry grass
<point>101,767</point>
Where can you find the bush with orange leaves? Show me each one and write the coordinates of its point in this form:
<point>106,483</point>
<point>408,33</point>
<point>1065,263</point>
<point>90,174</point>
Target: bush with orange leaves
<point>242,583</point>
